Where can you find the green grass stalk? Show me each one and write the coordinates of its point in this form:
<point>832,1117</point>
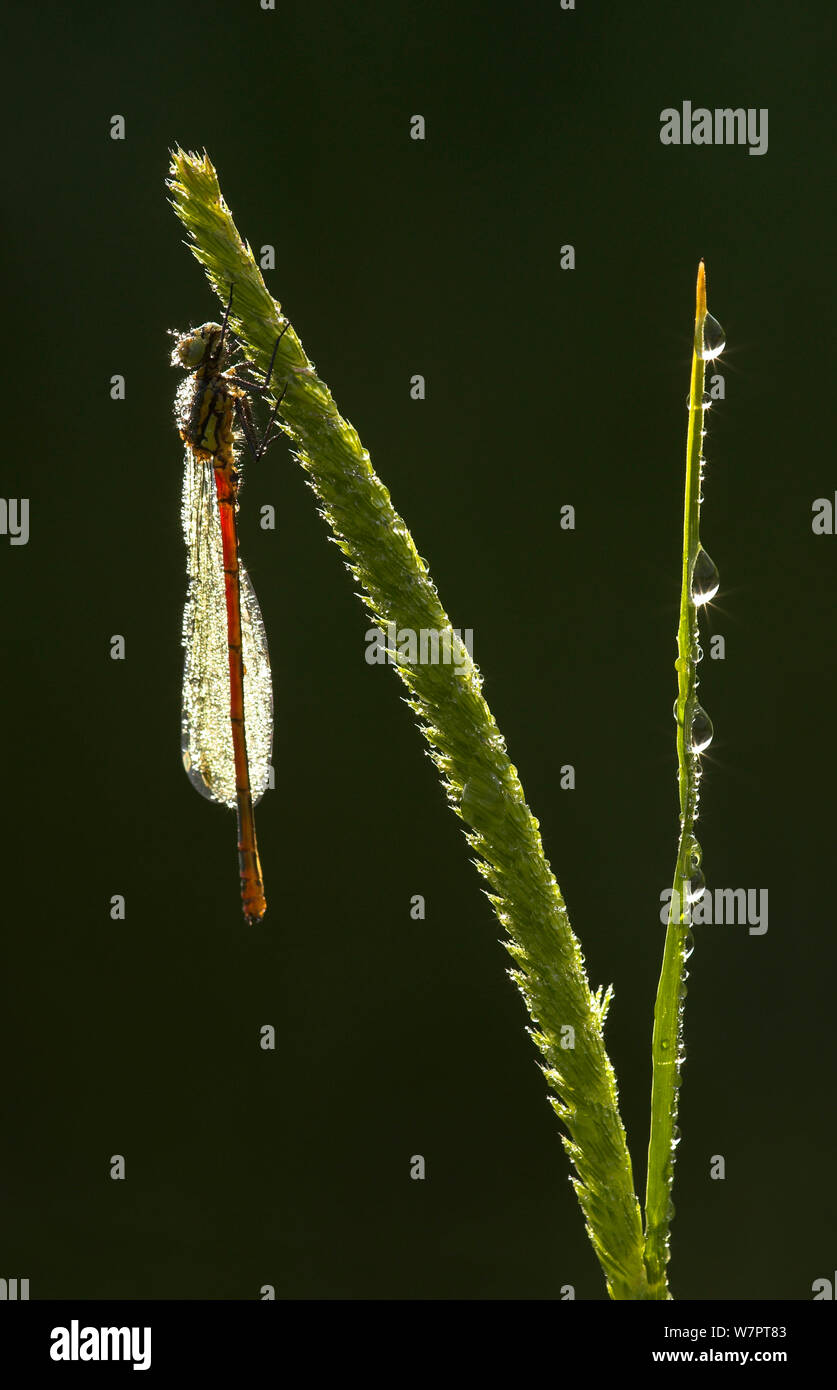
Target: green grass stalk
<point>481,784</point>
<point>667,1043</point>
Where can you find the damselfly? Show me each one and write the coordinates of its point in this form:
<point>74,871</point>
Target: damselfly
<point>227,717</point>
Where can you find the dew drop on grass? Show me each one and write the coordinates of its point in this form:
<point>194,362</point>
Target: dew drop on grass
<point>688,947</point>
<point>714,339</point>
<point>702,730</point>
<point>695,886</point>
<point>705,578</point>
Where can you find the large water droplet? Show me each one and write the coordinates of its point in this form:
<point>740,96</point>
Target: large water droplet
<point>705,578</point>
<point>695,886</point>
<point>702,731</point>
<point>714,339</point>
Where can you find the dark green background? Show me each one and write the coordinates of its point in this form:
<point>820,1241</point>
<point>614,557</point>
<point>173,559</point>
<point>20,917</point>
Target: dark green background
<point>544,388</point>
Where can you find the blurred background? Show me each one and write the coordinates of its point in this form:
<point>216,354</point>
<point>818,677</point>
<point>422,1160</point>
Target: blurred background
<point>545,388</point>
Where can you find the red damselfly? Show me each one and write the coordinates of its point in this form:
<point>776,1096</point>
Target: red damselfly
<point>227,713</point>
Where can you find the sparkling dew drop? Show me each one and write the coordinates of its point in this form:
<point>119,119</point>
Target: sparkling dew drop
<point>714,339</point>
<point>695,886</point>
<point>702,731</point>
<point>705,578</point>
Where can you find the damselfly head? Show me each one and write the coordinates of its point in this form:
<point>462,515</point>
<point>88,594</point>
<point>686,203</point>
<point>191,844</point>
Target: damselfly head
<point>199,345</point>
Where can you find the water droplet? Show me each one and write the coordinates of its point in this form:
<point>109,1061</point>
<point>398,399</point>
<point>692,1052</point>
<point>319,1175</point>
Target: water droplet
<point>704,404</point>
<point>705,578</point>
<point>702,731</point>
<point>713,339</point>
<point>695,886</point>
<point>688,947</point>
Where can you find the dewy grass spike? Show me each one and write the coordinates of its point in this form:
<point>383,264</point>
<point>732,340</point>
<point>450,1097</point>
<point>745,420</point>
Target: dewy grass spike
<point>480,782</point>
<point>694,733</point>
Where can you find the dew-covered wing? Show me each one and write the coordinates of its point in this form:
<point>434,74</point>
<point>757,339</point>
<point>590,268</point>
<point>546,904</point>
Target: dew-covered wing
<point>206,730</point>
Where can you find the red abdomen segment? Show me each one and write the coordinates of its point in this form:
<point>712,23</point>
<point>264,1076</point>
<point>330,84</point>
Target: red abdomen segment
<point>249,866</point>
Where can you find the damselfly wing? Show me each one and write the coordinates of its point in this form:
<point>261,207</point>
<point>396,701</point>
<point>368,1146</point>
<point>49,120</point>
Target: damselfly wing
<point>227,712</point>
